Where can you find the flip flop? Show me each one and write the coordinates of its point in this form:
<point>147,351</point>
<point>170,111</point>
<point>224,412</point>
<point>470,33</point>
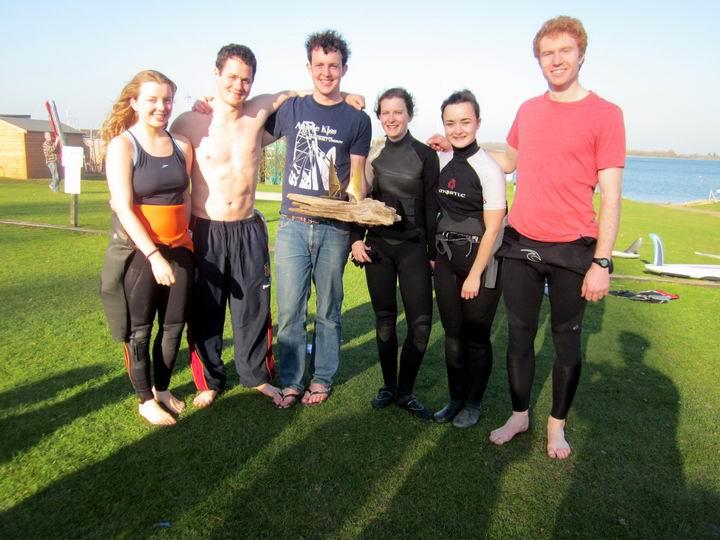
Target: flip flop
<point>294,397</point>
<point>325,392</point>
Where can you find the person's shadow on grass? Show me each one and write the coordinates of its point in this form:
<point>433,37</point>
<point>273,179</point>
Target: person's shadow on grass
<point>629,471</point>
<point>450,490</point>
<point>23,430</point>
<point>152,482</point>
<point>334,468</point>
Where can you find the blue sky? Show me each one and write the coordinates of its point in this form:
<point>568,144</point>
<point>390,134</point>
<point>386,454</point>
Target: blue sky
<point>658,60</point>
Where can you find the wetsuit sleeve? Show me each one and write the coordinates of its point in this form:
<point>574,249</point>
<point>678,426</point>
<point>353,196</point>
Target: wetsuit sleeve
<point>357,232</point>
<point>430,174</point>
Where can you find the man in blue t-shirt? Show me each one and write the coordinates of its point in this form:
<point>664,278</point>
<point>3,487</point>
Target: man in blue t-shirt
<point>323,132</point>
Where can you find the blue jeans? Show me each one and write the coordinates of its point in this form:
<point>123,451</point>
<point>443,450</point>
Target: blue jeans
<point>305,252</point>
<point>54,174</point>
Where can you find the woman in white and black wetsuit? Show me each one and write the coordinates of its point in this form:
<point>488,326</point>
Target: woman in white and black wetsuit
<point>403,174</point>
<point>471,195</point>
<point>148,172</point>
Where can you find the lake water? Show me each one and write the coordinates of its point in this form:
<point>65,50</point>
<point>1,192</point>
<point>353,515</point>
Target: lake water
<point>661,180</point>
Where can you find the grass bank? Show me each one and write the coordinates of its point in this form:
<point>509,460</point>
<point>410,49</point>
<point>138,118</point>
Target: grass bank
<point>77,462</point>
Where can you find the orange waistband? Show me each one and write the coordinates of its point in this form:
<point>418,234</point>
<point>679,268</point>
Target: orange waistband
<point>166,224</point>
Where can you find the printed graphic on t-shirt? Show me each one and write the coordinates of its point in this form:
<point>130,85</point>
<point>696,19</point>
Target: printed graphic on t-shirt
<point>311,167</point>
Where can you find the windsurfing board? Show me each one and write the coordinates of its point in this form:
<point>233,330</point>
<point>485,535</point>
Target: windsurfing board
<point>709,272</point>
<point>632,252</point>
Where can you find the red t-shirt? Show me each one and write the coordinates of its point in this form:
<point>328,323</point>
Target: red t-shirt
<point>561,147</point>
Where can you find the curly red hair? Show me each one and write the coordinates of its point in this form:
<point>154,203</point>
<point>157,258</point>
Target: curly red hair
<point>560,25</point>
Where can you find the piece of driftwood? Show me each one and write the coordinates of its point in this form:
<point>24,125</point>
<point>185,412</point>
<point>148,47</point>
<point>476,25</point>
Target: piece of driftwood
<point>365,212</point>
<point>357,209</point>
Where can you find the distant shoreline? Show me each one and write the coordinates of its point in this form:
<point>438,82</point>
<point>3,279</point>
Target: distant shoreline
<point>672,155</point>
<point>662,154</point>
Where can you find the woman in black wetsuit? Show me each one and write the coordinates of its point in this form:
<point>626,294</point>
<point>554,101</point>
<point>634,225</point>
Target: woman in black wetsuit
<point>402,173</point>
<point>471,196</point>
<point>148,172</point>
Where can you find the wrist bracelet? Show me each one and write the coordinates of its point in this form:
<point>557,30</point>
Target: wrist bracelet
<point>153,252</point>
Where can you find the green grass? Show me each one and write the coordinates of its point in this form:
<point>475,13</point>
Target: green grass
<point>270,187</point>
<point>712,207</point>
<point>77,461</point>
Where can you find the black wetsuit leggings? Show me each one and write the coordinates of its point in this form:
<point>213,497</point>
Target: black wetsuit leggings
<point>146,298</point>
<point>467,324</point>
<point>523,292</point>
<point>406,263</point>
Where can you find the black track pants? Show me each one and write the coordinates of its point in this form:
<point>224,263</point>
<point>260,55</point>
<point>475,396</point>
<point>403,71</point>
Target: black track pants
<point>233,267</point>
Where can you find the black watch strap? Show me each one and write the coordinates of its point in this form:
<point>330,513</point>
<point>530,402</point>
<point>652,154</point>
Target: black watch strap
<point>603,262</point>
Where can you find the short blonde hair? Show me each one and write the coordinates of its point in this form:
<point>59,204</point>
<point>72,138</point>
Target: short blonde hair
<point>560,25</point>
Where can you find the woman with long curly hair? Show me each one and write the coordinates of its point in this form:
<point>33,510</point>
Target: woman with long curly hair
<point>148,172</point>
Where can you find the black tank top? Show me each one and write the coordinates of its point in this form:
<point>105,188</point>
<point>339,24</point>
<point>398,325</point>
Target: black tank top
<point>159,180</point>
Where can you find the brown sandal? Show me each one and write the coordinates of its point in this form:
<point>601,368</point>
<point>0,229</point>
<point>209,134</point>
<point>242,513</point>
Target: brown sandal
<point>294,397</point>
<point>326,392</point>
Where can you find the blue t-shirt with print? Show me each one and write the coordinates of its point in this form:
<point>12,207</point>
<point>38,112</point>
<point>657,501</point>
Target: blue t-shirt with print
<point>318,137</point>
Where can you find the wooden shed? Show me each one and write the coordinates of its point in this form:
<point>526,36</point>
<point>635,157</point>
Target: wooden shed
<point>21,140</point>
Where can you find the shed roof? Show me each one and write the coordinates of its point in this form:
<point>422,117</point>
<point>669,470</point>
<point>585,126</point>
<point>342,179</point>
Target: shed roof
<point>29,124</point>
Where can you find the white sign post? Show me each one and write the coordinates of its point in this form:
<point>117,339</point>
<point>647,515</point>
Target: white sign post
<point>72,160</point>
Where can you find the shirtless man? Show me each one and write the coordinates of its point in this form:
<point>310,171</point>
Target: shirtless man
<point>230,238</point>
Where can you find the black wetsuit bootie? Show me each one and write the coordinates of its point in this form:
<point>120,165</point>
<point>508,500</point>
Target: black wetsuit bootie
<point>385,396</point>
<point>469,416</point>
<point>448,412</point>
<point>412,405</point>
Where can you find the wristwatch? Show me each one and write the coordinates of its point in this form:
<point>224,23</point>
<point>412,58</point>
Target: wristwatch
<point>603,262</point>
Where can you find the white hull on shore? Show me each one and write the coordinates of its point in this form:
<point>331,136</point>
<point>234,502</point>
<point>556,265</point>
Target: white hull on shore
<point>709,272</point>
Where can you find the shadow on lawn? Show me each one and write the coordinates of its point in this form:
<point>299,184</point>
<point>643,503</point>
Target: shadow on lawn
<point>154,480</point>
<point>452,490</point>
<point>48,388</point>
<point>333,479</point>
<point>628,477</point>
<point>22,431</point>
<point>317,486</point>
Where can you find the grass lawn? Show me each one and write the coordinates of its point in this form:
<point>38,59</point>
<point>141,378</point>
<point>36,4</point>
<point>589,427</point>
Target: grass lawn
<point>76,461</point>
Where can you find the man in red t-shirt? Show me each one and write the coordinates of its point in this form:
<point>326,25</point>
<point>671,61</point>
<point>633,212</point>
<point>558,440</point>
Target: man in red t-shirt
<point>563,144</point>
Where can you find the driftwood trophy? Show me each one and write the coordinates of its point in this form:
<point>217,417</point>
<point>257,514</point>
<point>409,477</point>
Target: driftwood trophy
<point>357,209</point>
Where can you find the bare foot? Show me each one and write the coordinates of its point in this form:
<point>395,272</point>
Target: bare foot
<point>171,403</point>
<point>315,394</point>
<point>205,398</point>
<point>557,446</point>
<point>151,411</point>
<point>517,423</point>
<point>287,398</point>
<point>270,391</point>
